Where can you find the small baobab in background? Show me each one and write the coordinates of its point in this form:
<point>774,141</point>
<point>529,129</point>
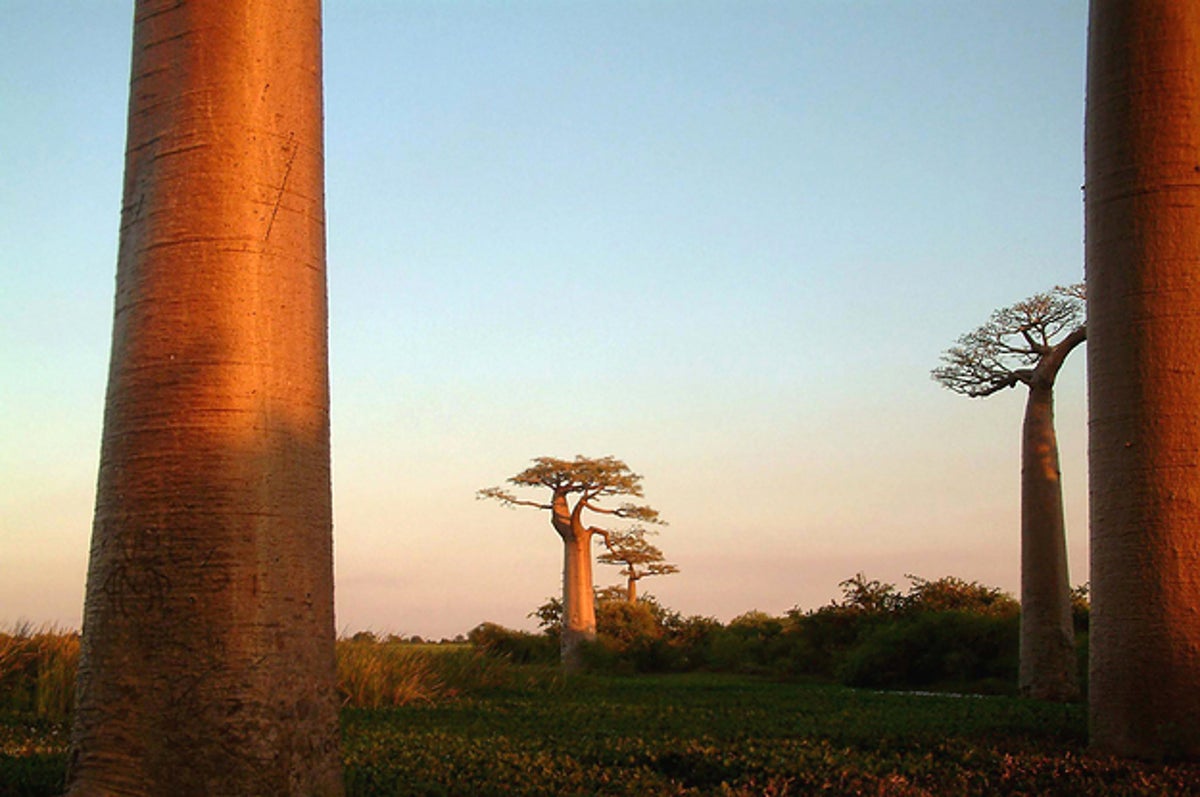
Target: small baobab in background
<point>1026,344</point>
<point>577,487</point>
<point>637,556</point>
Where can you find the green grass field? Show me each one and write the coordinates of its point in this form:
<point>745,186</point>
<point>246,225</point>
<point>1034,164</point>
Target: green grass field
<point>692,735</point>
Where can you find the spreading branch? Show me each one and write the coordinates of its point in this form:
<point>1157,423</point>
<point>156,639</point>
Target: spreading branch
<point>590,479</point>
<point>1020,344</point>
<point>637,555</point>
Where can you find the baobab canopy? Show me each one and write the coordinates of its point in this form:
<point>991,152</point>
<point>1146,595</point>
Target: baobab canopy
<point>593,479</point>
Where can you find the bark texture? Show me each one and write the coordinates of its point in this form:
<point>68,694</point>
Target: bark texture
<point>1143,290</point>
<point>208,661</point>
<point>579,599</point>
<point>1047,661</point>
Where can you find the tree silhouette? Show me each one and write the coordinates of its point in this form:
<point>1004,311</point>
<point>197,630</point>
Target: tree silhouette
<point>577,487</point>
<point>1026,344</point>
<point>638,557</point>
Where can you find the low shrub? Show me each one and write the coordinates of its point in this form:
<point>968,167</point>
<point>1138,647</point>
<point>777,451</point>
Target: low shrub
<point>935,648</point>
<point>518,647</point>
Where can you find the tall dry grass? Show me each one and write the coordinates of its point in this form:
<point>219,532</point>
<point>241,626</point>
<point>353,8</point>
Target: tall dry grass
<point>37,671</point>
<point>38,665</point>
<point>375,674</point>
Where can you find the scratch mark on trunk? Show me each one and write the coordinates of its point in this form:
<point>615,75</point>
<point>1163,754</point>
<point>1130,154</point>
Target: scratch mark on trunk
<point>287,171</point>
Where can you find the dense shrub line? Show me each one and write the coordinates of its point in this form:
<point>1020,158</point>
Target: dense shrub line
<point>945,633</point>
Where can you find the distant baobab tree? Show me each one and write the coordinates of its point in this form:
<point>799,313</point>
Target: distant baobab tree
<point>1142,211</point>
<point>577,487</point>
<point>207,662</point>
<point>638,557</point>
<point>1026,344</point>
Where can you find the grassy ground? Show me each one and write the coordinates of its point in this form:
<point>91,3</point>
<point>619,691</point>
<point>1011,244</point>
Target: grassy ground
<point>694,735</point>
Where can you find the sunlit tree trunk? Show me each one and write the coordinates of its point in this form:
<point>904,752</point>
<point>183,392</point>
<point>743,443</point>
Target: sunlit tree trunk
<point>579,601</point>
<point>1143,291</point>
<point>1048,666</point>
<point>631,589</point>
<point>208,663</point>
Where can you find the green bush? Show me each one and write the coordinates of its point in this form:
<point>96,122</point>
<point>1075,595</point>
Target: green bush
<point>518,647</point>
<point>626,624</point>
<point>956,648</point>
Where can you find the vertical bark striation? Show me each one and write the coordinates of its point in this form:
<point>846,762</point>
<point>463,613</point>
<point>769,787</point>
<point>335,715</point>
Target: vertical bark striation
<point>1047,661</point>
<point>208,664</point>
<point>1143,275</point>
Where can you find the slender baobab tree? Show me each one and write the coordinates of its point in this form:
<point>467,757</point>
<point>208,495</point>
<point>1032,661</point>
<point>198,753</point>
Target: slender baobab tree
<point>586,482</point>
<point>208,660</point>
<point>1143,284</point>
<point>638,557</point>
<point>1026,344</point>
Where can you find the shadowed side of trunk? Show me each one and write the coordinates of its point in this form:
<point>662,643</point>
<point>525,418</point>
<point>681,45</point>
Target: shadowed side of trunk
<point>207,664</point>
<point>1047,661</point>
<point>1143,290</point>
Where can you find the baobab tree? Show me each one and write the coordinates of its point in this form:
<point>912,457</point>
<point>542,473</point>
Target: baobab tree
<point>638,557</point>
<point>208,634</point>
<point>577,487</point>
<point>1142,211</point>
<point>1026,344</point>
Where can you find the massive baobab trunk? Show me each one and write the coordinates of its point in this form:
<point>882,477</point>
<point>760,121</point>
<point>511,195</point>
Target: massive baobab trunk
<point>1143,291</point>
<point>579,600</point>
<point>1047,662</point>
<point>208,662</point>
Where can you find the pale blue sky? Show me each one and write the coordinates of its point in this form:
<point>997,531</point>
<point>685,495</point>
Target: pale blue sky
<point>724,241</point>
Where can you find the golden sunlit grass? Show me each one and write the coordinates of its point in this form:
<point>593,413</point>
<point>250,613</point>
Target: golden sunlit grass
<point>38,665</point>
<point>37,670</point>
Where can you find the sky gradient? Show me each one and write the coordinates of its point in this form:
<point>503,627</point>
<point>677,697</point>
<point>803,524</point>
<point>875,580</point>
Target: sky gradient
<point>723,241</point>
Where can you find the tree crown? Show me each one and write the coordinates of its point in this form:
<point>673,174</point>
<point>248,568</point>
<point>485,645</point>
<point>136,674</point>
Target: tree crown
<point>639,557</point>
<point>591,478</point>
<point>1016,345</point>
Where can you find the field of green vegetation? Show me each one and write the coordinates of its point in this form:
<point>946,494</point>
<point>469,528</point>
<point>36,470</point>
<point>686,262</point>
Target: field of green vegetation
<point>455,720</point>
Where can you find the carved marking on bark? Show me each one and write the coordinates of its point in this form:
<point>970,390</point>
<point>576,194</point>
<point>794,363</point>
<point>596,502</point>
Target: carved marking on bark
<point>291,149</point>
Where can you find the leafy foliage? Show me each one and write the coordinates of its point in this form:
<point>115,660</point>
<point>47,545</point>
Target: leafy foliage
<point>944,633</point>
<point>638,557</point>
<point>515,646</point>
<point>591,478</point>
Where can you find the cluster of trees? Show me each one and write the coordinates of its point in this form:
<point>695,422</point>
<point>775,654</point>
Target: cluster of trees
<point>577,487</point>
<point>942,633</point>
